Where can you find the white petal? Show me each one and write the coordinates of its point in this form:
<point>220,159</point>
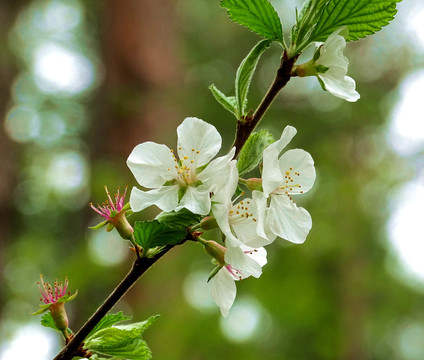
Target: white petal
<point>331,53</point>
<point>261,204</point>
<point>165,198</point>
<point>338,84</point>
<point>271,174</point>
<point>221,173</point>
<point>288,221</point>
<point>220,211</point>
<point>223,291</point>
<point>286,136</point>
<point>197,134</point>
<point>272,177</point>
<point>294,162</point>
<point>246,228</point>
<point>152,164</point>
<point>257,254</point>
<point>197,200</point>
<point>241,261</point>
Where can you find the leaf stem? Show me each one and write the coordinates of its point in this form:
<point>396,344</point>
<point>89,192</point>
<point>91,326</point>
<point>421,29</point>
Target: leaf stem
<point>139,267</point>
<point>246,126</point>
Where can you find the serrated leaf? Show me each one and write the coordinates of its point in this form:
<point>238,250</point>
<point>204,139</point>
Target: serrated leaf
<point>245,73</point>
<point>109,320</point>
<point>47,321</point>
<point>228,102</point>
<point>122,341</point>
<point>252,152</point>
<point>180,220</point>
<point>258,16</point>
<point>362,18</point>
<point>149,234</point>
<point>306,19</point>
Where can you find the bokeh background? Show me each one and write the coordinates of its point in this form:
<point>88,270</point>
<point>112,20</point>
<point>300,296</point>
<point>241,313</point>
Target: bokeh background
<point>83,82</point>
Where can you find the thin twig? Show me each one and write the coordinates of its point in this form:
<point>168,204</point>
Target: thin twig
<point>139,267</point>
<point>246,126</point>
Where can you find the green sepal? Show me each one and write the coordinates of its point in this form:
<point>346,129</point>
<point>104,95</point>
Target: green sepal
<point>121,341</point>
<point>228,102</point>
<point>126,207</point>
<point>317,53</point>
<point>214,272</point>
<point>321,83</point>
<point>239,191</point>
<point>109,227</point>
<point>258,16</point>
<point>321,69</point>
<point>149,234</point>
<point>99,225</point>
<point>67,298</point>
<point>245,73</point>
<point>252,152</point>
<point>181,193</point>
<point>44,308</point>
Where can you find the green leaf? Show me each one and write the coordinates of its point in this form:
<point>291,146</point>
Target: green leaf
<point>251,153</point>
<point>149,234</point>
<point>122,341</point>
<point>228,102</point>
<point>257,15</point>
<point>306,19</point>
<point>109,320</point>
<point>362,18</point>
<point>180,220</point>
<point>47,321</point>
<point>245,73</point>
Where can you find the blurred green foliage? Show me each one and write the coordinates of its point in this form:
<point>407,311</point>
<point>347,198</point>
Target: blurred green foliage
<point>335,297</point>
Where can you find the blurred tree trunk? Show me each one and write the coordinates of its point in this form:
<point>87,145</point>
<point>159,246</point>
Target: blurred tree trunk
<point>141,65</point>
<point>139,42</point>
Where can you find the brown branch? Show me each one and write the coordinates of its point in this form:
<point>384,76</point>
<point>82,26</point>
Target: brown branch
<point>246,125</point>
<point>139,267</point>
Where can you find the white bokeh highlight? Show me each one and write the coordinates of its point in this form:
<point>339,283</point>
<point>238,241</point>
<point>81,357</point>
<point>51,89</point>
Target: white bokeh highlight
<point>59,69</point>
<point>406,229</point>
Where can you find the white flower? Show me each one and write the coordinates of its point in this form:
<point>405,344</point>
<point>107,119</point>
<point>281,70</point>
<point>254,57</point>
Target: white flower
<point>283,176</point>
<point>331,57</point>
<point>184,183</point>
<point>223,289</point>
<point>240,222</point>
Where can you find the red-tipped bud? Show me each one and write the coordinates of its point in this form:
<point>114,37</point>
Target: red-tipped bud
<point>60,317</point>
<point>215,250</point>
<point>121,224</point>
<point>254,184</point>
<point>208,223</point>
